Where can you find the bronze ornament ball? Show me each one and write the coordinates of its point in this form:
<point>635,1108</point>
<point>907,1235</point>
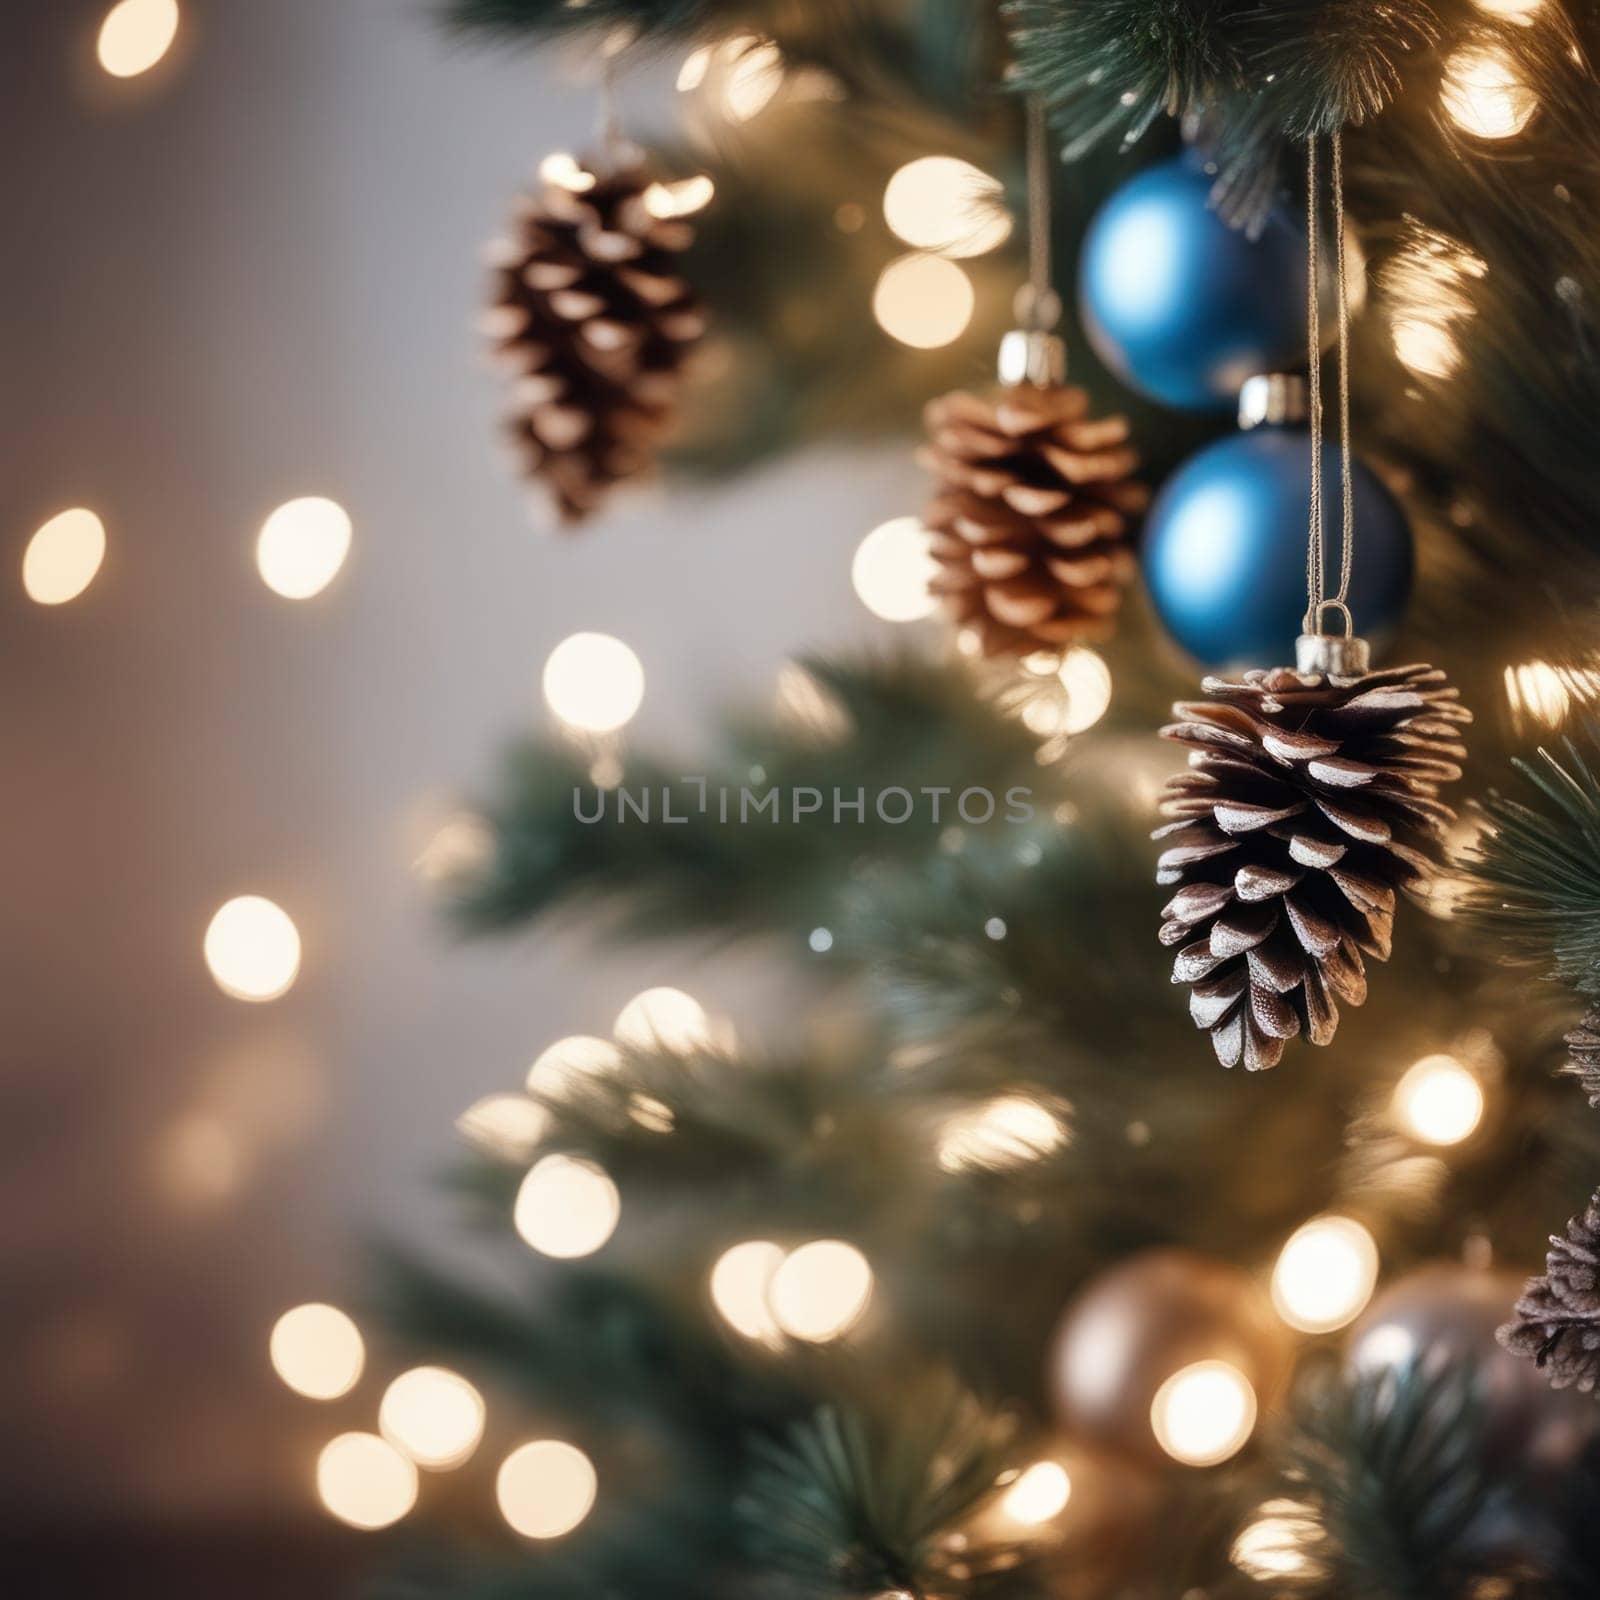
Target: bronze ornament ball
<point>1448,1312</point>
<point>1143,1322</point>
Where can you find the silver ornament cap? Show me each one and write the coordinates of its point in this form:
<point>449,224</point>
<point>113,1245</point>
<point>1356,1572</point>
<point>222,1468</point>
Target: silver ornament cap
<point>1334,655</point>
<point>1273,399</point>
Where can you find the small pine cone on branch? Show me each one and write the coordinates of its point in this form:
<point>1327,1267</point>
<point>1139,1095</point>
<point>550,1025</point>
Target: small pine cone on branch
<point>1309,802</point>
<point>1557,1321</point>
<point>1583,1046</point>
<point>1030,516</point>
<point>590,312</point>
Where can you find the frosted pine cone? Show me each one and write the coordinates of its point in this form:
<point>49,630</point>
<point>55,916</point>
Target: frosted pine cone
<point>1583,1045</point>
<point>1309,804</point>
<point>591,313</point>
<point>1030,517</point>
<point>1558,1317</point>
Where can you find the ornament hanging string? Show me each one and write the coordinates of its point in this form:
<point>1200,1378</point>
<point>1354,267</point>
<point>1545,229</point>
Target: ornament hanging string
<point>1037,308</point>
<point>608,120</point>
<point>1317,598</point>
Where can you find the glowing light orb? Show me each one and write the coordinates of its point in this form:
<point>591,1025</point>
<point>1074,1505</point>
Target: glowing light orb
<point>302,546</point>
<point>820,1291</point>
<point>1521,12</point>
<point>923,301</point>
<point>892,571</point>
<point>1087,680</point>
<point>434,1415</point>
<point>1325,1274</point>
<point>740,1282</point>
<point>680,199</point>
<point>1483,95</point>
<point>566,1207</point>
<point>663,1019</point>
<point>135,35</point>
<point>1439,1101</point>
<point>568,1061</point>
<point>546,1488</point>
<point>1008,1131</point>
<point>945,204</point>
<point>1276,1543</point>
<point>506,1125</point>
<point>1040,1494</point>
<point>1203,1414</point>
<point>317,1351</point>
<point>365,1482</point>
<point>253,949</point>
<point>594,683</point>
<point>63,557</point>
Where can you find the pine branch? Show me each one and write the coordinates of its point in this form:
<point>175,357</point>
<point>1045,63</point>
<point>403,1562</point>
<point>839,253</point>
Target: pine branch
<point>900,724</point>
<point>852,1505</point>
<point>1537,873</point>
<point>1111,67</point>
<point>1386,1478</point>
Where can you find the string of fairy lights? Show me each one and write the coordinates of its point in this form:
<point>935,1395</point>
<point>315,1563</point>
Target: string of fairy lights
<point>430,1420</point>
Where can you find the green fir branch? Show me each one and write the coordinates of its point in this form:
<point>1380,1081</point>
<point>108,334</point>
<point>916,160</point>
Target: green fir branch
<point>849,1504</point>
<point>1386,1471</point>
<point>1537,871</point>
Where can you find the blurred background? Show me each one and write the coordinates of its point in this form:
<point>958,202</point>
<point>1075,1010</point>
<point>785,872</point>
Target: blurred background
<point>242,277</point>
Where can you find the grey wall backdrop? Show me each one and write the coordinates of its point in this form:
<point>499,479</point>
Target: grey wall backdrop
<point>250,275</point>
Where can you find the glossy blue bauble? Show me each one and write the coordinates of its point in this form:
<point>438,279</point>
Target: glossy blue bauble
<point>1224,549</point>
<point>1179,305</point>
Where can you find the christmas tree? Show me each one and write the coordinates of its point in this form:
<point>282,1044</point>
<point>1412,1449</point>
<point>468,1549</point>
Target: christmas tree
<point>970,1272</point>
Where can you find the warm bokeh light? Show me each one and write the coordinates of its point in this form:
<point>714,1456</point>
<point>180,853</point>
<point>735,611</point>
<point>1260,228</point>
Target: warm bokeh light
<point>317,1350</point>
<point>566,172</point>
<point>569,1061</point>
<point>754,74</point>
<point>364,1481</point>
<point>63,557</point>
<point>1325,1274</point>
<point>1426,285</point>
<point>819,1291</point>
<point>1439,1101</point>
<point>892,569</point>
<point>546,1488</point>
<point>434,1415</point>
<point>663,1019</point>
<point>680,199</point>
<point>135,35</point>
<point>1539,692</point>
<point>924,301</point>
<point>1204,1413</point>
<point>1008,1131</point>
<point>1276,1543</point>
<point>1087,680</point>
<point>1038,1495</point>
<point>1483,95</point>
<point>302,546</point>
<point>253,949</point>
<point>509,1126</point>
<point>1522,12</point>
<point>199,1160</point>
<point>1426,348</point>
<point>740,1283</point>
<point>945,204</point>
<point>566,1207</point>
<point>593,682</point>
<point>457,848</point>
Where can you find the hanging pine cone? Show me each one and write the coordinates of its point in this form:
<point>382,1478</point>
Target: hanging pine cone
<point>1558,1317</point>
<point>1583,1045</point>
<point>1030,517</point>
<point>590,312</point>
<point>1309,802</point>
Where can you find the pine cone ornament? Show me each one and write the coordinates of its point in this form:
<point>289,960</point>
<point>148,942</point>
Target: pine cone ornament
<point>1558,1317</point>
<point>1583,1047</point>
<point>591,313</point>
<point>1309,802</point>
<point>1030,518</point>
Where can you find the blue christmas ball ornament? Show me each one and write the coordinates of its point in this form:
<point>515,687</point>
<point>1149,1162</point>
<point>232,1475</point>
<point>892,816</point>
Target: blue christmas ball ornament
<point>1184,308</point>
<point>1224,549</point>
